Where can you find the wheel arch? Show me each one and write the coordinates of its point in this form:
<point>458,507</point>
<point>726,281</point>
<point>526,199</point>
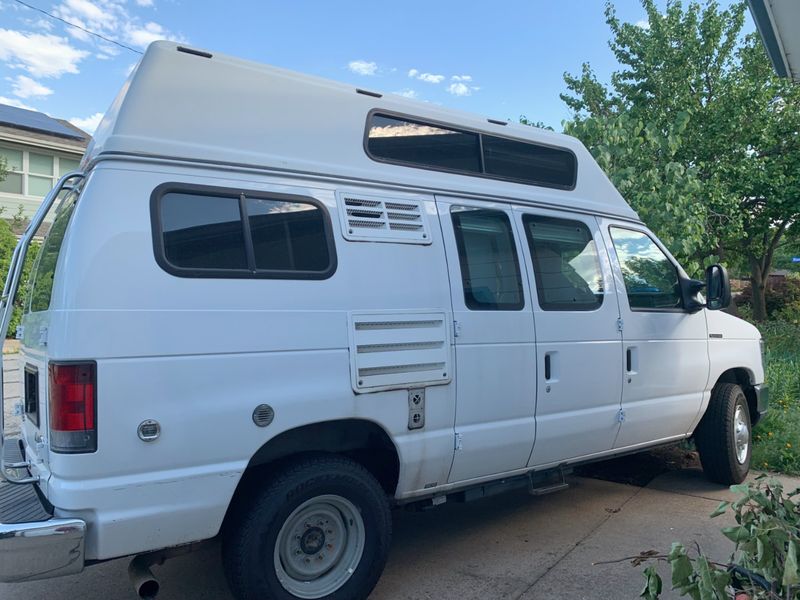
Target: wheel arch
<point>745,378</point>
<point>361,440</point>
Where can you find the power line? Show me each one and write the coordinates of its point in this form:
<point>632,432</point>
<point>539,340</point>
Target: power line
<point>102,37</point>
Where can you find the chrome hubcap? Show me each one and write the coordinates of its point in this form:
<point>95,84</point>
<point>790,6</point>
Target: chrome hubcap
<point>741,434</point>
<point>319,546</point>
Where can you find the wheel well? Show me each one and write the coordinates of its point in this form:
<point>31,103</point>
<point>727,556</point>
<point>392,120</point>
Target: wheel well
<point>362,441</point>
<point>743,378</point>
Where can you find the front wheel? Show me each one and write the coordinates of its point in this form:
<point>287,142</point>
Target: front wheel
<point>319,530</point>
<point>724,435</point>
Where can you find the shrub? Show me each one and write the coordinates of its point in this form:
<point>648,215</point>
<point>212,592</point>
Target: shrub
<point>8,241</point>
<point>782,294</point>
<point>764,562</point>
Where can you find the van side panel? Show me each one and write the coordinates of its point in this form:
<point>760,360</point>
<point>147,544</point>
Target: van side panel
<point>199,354</point>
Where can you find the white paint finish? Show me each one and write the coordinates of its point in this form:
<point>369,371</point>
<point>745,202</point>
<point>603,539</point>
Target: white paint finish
<point>495,371</point>
<point>663,392</point>
<point>282,120</point>
<point>577,408</point>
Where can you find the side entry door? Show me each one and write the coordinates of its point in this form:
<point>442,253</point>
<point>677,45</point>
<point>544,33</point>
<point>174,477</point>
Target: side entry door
<point>578,342</point>
<point>494,340</point>
<point>666,347</point>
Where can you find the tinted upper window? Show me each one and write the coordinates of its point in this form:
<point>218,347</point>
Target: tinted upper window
<point>532,163</point>
<point>431,146</point>
<point>237,235</point>
<point>488,258</point>
<point>288,236</point>
<point>434,146</point>
<point>651,280</point>
<point>565,264</point>
<point>202,232</point>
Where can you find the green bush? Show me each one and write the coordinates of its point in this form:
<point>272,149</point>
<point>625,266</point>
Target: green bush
<point>782,296</point>
<point>764,562</point>
<point>8,241</point>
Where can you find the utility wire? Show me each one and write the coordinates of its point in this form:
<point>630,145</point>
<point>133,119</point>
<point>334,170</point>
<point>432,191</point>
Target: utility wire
<point>102,37</point>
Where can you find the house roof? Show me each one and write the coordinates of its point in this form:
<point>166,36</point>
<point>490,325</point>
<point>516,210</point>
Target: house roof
<point>778,22</point>
<point>30,120</point>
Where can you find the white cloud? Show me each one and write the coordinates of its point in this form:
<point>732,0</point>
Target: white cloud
<point>426,77</point>
<point>461,89</point>
<point>150,32</point>
<point>362,67</point>
<point>41,55</point>
<point>25,87</point>
<point>89,124</point>
<point>15,102</point>
<point>408,93</point>
<point>643,23</point>
<point>461,78</point>
<point>145,3</point>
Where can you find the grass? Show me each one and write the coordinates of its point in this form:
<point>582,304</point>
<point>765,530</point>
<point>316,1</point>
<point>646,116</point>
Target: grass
<point>777,436</point>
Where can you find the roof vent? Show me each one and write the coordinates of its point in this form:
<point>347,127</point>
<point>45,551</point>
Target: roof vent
<point>202,53</point>
<point>383,219</point>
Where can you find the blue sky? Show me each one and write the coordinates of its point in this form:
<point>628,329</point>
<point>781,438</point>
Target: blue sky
<point>502,59</point>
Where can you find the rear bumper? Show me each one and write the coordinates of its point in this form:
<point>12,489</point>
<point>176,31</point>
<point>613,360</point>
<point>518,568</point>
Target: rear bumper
<point>762,400</point>
<point>33,543</point>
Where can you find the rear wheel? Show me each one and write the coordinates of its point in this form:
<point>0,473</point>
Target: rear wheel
<point>724,436</point>
<point>318,530</point>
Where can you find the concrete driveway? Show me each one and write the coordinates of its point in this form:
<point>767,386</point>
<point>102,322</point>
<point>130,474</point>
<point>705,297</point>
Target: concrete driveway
<point>508,547</point>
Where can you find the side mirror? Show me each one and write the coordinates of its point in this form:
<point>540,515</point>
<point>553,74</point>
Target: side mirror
<point>718,288</point>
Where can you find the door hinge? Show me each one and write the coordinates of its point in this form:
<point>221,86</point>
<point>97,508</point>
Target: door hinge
<point>620,324</point>
<point>456,329</point>
<point>458,442</point>
<point>621,416</point>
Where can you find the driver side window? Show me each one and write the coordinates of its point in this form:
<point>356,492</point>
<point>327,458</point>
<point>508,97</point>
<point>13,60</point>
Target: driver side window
<point>651,280</point>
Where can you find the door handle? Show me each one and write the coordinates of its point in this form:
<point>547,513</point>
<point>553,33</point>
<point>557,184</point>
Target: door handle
<point>631,360</point>
<point>551,367</point>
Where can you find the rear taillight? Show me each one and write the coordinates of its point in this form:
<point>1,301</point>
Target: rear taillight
<point>73,407</point>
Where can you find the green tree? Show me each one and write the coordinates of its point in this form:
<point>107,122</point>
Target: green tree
<point>696,132</point>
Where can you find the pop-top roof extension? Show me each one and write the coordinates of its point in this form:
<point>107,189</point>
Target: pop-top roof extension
<point>201,106</point>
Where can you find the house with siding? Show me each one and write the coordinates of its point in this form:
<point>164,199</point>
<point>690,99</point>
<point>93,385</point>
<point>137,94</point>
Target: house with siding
<point>37,150</point>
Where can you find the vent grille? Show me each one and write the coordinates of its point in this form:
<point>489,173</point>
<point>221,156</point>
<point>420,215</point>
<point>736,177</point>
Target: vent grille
<point>398,350</point>
<point>379,219</point>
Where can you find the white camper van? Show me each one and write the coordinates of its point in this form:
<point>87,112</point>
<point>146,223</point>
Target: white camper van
<point>270,307</point>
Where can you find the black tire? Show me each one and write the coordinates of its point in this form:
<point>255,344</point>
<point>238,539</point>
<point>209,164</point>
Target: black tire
<point>250,537</point>
<point>716,435</point>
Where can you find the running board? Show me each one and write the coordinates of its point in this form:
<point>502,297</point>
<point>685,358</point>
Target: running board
<point>555,481</point>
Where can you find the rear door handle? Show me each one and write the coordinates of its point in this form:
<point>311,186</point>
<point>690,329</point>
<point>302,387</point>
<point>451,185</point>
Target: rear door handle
<point>631,360</point>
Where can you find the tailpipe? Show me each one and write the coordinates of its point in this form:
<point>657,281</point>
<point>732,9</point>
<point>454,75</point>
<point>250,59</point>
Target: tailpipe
<point>144,582</point>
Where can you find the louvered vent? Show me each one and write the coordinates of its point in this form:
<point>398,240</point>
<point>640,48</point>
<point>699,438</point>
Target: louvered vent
<point>383,219</point>
<point>398,350</point>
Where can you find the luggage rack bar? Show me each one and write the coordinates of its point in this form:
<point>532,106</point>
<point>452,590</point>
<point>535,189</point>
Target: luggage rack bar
<point>67,183</point>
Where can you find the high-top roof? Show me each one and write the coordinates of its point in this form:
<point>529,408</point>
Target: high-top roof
<point>212,108</point>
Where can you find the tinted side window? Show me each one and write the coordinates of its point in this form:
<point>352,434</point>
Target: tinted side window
<point>213,232</point>
<point>651,280</point>
<point>532,163</point>
<point>426,145</point>
<point>288,236</point>
<point>488,258</point>
<point>203,232</point>
<point>565,264</point>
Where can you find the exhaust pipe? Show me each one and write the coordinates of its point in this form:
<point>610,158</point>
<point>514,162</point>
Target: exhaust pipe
<point>144,582</point>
